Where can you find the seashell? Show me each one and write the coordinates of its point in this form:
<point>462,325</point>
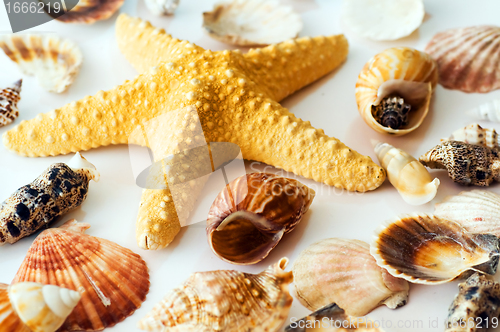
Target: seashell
<point>53,60</point>
<point>475,134</point>
<point>162,7</point>
<point>394,90</point>
<point>426,249</point>
<point>224,300</point>
<point>478,211</point>
<point>112,280</point>
<point>406,174</point>
<point>245,224</point>
<point>252,22</point>
<point>87,11</point>
<point>467,164</point>
<point>474,307</point>
<point>9,97</point>
<point>383,19</point>
<point>58,190</point>
<point>342,271</point>
<point>489,111</point>
<point>467,58</point>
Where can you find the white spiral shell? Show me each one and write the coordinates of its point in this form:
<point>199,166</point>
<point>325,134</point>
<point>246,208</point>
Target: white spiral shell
<point>475,134</point>
<point>489,111</point>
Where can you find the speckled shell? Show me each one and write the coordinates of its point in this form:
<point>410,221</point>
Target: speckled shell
<point>112,280</point>
<point>478,211</point>
<point>409,73</point>
<point>252,22</point>
<point>224,300</point>
<point>474,307</point>
<point>475,134</point>
<point>467,164</point>
<point>53,60</point>
<point>427,249</point>
<point>9,97</point>
<point>342,271</point>
<point>489,111</point>
<point>468,58</point>
<point>59,189</point>
<point>162,7</point>
<point>406,174</point>
<point>90,11</point>
<point>246,221</point>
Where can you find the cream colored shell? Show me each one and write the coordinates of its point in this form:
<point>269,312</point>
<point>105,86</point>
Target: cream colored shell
<point>475,134</point>
<point>489,111</point>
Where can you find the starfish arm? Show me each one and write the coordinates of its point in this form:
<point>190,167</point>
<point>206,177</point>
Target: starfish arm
<point>145,46</point>
<point>284,68</point>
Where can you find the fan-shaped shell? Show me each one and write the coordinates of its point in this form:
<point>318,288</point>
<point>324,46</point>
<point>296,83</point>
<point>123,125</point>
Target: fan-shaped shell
<point>224,300</point>
<point>406,174</point>
<point>396,72</point>
<point>342,271</point>
<point>53,60</point>
<point>478,211</point>
<point>89,11</point>
<point>429,250</point>
<point>489,111</point>
<point>249,216</point>
<point>9,97</point>
<point>468,58</point>
<point>252,22</point>
<point>162,7</point>
<point>112,280</point>
<point>475,134</point>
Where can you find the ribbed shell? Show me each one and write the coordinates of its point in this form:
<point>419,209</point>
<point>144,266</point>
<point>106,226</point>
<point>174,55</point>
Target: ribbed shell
<point>429,250</point>
<point>112,280</point>
<point>489,111</point>
<point>478,211</point>
<point>9,320</point>
<point>53,60</point>
<point>228,301</point>
<point>246,222</point>
<point>9,97</point>
<point>90,11</point>
<point>252,22</point>
<point>475,134</point>
<point>342,271</point>
<point>468,58</point>
<point>409,73</point>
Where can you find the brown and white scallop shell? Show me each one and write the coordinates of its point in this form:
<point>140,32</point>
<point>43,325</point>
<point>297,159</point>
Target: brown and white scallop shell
<point>342,271</point>
<point>468,58</point>
<point>112,280</point>
<point>9,97</point>
<point>426,249</point>
<point>90,11</point>
<point>229,301</point>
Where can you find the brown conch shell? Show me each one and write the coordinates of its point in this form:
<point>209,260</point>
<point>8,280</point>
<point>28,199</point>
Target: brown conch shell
<point>250,215</point>
<point>224,300</point>
<point>467,164</point>
<point>394,90</point>
<point>9,97</point>
<point>476,305</point>
<point>475,134</point>
<point>426,249</point>
<point>342,271</point>
<point>112,280</point>
<point>90,11</point>
<point>468,58</point>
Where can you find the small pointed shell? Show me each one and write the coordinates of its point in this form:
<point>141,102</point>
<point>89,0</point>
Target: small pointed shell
<point>475,134</point>
<point>53,60</point>
<point>252,22</point>
<point>402,72</point>
<point>224,300</point>
<point>478,211</point>
<point>406,174</point>
<point>162,7</point>
<point>342,271</point>
<point>489,111</point>
<point>9,97</point>
<point>429,250</point>
<point>468,58</point>
<point>249,216</point>
<point>90,11</point>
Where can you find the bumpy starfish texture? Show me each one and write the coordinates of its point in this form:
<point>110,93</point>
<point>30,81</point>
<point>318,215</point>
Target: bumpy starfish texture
<point>231,96</point>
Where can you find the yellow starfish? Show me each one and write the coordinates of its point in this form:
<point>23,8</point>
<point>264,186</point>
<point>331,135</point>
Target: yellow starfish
<point>235,98</point>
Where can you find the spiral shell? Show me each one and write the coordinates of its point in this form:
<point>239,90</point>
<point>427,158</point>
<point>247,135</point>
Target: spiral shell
<point>9,97</point>
<point>489,111</point>
<point>250,216</point>
<point>402,73</point>
<point>467,58</point>
<point>475,134</point>
<point>224,300</point>
<point>342,271</point>
<point>429,250</point>
<point>406,174</point>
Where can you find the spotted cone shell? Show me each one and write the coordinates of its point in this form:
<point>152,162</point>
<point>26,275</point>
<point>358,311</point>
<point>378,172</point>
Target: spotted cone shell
<point>112,280</point>
<point>9,97</point>
<point>228,301</point>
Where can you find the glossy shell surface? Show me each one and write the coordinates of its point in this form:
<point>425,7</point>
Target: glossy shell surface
<point>9,97</point>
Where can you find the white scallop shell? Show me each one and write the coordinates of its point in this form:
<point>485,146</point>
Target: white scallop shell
<point>406,174</point>
<point>162,7</point>
<point>489,111</point>
<point>478,211</point>
<point>383,19</point>
<point>475,134</point>
<point>53,60</point>
<point>252,22</point>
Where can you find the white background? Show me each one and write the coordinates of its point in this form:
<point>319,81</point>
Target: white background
<point>111,206</point>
